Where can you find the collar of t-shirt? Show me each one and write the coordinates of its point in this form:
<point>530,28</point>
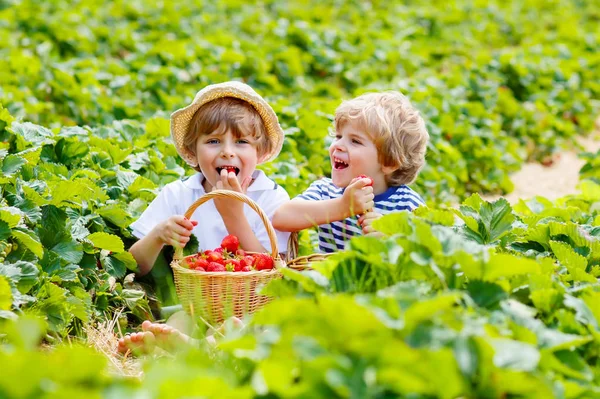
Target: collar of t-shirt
<point>261,182</point>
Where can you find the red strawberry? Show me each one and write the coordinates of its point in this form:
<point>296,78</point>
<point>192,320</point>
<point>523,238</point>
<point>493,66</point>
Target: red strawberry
<point>213,256</point>
<point>218,250</point>
<point>201,262</point>
<point>230,169</point>
<point>233,265</point>
<point>246,269</point>
<point>365,177</point>
<point>215,267</point>
<point>263,262</point>
<point>230,243</point>
<point>247,260</point>
<point>200,269</point>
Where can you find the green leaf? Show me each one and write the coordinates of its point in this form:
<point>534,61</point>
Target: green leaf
<point>28,275</point>
<point>4,230</point>
<point>33,133</point>
<point>6,297</point>
<point>30,240</point>
<point>583,313</point>
<point>113,266</point>
<point>515,355</point>
<point>70,150</point>
<point>567,256</point>
<point>69,250</point>
<point>486,294</point>
<point>394,223</point>
<point>107,241</point>
<point>12,164</point>
<point>505,265</point>
<point>11,215</point>
<point>127,259</point>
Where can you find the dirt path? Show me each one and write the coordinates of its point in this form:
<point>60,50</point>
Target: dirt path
<point>555,181</point>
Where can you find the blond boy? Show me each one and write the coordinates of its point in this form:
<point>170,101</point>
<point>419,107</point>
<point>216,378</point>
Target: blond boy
<point>380,135</point>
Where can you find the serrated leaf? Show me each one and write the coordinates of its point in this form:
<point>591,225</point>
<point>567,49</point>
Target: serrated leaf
<point>4,230</point>
<point>114,266</point>
<point>28,273</point>
<point>127,259</point>
<point>107,241</point>
<point>69,150</point>
<point>11,215</point>
<point>12,164</point>
<point>33,133</point>
<point>29,240</point>
<point>116,215</point>
<point>567,256</point>
<point>69,250</point>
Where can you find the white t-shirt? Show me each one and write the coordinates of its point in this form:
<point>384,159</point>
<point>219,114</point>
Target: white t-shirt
<point>176,197</point>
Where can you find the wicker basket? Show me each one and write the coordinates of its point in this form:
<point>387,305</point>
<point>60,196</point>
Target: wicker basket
<point>301,262</point>
<point>215,296</point>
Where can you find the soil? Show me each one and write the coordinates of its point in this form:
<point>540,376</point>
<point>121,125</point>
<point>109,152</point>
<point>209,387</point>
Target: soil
<point>554,181</point>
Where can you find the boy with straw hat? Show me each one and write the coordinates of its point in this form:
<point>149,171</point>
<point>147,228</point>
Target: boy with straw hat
<point>223,134</point>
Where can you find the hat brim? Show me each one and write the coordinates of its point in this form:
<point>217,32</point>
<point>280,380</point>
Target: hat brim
<point>182,118</point>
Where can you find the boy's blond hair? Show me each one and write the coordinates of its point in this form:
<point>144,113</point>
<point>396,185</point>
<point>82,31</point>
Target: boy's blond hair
<point>227,113</point>
<point>397,129</point>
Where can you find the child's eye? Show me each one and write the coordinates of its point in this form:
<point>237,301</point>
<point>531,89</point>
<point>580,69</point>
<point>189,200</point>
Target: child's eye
<point>338,136</point>
<point>212,141</point>
<point>354,141</point>
<point>242,141</point>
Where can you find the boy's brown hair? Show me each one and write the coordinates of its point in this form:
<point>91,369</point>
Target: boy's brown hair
<point>223,114</point>
<point>396,127</point>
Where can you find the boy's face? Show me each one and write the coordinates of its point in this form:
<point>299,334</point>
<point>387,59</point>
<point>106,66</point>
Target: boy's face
<point>354,153</point>
<point>224,151</point>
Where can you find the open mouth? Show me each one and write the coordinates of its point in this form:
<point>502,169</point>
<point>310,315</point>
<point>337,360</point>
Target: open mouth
<point>338,164</point>
<point>233,169</point>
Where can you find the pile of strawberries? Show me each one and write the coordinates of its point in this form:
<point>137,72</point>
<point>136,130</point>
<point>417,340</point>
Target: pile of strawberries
<point>229,257</point>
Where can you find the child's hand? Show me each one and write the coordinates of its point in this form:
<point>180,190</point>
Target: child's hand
<point>365,222</point>
<point>358,196</point>
<point>229,181</point>
<point>176,230</point>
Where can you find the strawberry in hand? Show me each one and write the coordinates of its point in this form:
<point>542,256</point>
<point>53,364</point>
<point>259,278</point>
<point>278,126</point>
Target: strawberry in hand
<point>363,177</point>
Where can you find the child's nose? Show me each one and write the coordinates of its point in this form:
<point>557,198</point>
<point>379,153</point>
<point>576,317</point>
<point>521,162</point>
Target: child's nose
<point>227,151</point>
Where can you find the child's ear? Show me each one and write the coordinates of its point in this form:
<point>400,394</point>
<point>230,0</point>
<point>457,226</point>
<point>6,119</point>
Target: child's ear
<point>262,158</point>
<point>389,169</point>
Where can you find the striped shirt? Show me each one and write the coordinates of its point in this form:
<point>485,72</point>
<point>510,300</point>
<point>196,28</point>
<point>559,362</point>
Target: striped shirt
<point>333,236</point>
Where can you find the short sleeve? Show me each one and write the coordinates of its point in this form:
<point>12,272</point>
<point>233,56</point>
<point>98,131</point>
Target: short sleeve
<point>269,202</point>
<point>313,193</point>
<point>160,209</point>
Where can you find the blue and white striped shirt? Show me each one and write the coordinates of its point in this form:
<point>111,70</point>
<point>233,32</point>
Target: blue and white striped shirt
<point>332,236</point>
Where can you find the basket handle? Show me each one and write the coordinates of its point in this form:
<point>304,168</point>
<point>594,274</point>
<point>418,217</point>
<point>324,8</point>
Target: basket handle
<point>240,197</point>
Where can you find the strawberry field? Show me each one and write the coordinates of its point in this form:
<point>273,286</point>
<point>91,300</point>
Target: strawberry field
<point>477,300</point>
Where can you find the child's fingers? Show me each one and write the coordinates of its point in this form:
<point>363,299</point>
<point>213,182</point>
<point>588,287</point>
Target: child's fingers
<point>233,182</point>
<point>246,184</point>
<point>367,189</point>
<point>188,224</point>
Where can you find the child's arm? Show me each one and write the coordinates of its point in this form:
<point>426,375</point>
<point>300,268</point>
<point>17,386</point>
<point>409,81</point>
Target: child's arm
<point>175,231</point>
<point>300,214</point>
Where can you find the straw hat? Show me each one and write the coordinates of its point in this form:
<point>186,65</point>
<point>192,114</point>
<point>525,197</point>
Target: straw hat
<point>181,119</point>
